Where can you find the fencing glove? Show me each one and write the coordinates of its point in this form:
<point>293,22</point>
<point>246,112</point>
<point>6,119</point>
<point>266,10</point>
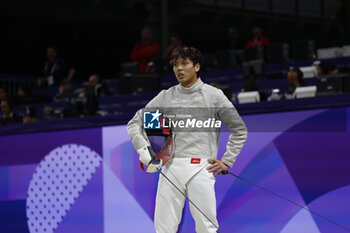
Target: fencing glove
<point>149,158</point>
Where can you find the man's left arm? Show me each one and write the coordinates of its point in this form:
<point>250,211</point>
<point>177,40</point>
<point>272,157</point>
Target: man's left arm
<point>228,114</point>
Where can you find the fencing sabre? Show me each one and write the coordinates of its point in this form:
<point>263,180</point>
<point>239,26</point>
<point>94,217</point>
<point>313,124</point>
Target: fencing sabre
<point>284,198</point>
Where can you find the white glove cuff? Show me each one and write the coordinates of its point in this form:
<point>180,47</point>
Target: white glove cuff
<point>144,155</point>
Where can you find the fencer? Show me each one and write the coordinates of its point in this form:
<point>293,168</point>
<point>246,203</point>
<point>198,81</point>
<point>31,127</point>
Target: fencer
<point>194,163</point>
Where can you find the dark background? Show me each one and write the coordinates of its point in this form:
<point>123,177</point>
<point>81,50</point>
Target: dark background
<point>97,35</point>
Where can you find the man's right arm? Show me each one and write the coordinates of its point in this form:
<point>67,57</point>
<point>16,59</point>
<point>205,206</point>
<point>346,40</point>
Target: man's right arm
<point>135,128</point>
<point>141,143</point>
<point>136,132</point>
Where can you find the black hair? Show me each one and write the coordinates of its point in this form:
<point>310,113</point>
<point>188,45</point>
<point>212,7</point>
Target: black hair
<point>327,67</point>
<point>300,75</point>
<point>187,52</point>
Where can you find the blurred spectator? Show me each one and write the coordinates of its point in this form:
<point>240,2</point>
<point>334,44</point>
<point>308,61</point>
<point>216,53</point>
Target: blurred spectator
<point>55,69</point>
<point>8,117</point>
<point>250,85</point>
<point>295,79</point>
<point>3,93</point>
<point>318,67</point>
<point>84,102</point>
<point>95,87</point>
<point>175,42</point>
<point>24,96</point>
<point>258,39</point>
<point>83,106</point>
<point>328,68</point>
<point>49,113</point>
<point>324,68</point>
<point>89,106</point>
<point>22,91</point>
<point>227,89</point>
<point>30,114</point>
<point>145,51</point>
<point>65,91</point>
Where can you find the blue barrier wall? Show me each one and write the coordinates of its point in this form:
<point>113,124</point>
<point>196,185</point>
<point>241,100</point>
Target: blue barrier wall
<point>301,155</point>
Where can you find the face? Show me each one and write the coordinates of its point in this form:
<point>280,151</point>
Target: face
<point>185,71</point>
<point>146,35</point>
<point>93,80</point>
<point>5,108</point>
<point>20,92</point>
<point>293,77</point>
<point>51,53</point>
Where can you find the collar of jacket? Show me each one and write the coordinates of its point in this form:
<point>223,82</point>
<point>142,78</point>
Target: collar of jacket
<point>195,87</point>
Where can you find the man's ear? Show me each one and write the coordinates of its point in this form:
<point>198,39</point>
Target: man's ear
<point>197,67</point>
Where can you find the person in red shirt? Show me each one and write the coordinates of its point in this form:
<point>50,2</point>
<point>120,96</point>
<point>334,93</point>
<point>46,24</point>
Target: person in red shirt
<point>175,43</point>
<point>258,38</point>
<point>145,51</point>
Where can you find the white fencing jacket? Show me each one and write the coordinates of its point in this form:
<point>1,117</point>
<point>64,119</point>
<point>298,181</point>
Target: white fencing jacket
<point>194,144</point>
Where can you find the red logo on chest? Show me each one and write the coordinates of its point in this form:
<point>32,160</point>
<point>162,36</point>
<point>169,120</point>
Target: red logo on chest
<point>195,161</point>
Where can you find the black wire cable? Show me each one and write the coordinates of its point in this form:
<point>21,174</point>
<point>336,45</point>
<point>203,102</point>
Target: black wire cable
<point>189,200</point>
<point>284,198</point>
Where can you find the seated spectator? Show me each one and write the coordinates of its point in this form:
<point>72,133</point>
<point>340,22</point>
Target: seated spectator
<point>95,87</point>
<point>8,117</point>
<point>24,96</point>
<point>250,85</point>
<point>258,39</point>
<point>55,70</point>
<point>3,93</point>
<point>145,51</point>
<point>65,91</point>
<point>324,68</point>
<point>226,89</point>
<point>318,67</point>
<point>295,79</point>
<point>175,42</point>
<point>30,114</point>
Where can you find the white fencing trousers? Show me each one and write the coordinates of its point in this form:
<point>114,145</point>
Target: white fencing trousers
<point>170,202</point>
